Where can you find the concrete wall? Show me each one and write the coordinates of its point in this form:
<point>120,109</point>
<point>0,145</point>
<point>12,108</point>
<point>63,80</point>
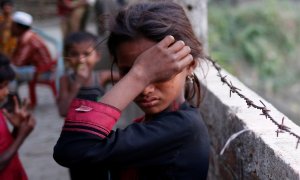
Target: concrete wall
<point>255,154</point>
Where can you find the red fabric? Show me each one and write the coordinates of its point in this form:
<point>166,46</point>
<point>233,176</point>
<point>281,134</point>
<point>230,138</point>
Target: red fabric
<point>14,170</point>
<point>139,120</point>
<point>92,114</point>
<point>31,50</point>
<point>62,10</point>
<point>129,174</point>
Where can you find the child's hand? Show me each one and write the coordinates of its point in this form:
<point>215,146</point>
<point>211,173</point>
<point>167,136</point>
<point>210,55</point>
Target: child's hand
<point>163,61</point>
<point>20,112</point>
<point>26,126</point>
<point>82,73</point>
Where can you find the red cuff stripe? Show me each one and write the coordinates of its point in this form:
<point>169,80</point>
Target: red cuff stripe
<point>84,130</point>
<point>68,123</point>
<point>99,116</point>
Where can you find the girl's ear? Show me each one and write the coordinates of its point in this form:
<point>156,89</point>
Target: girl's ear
<point>192,66</point>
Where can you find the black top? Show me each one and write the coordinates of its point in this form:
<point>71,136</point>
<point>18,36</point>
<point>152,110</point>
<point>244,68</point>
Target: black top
<point>174,145</point>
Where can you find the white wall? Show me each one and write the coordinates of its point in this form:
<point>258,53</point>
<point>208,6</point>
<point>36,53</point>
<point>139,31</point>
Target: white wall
<point>255,154</point>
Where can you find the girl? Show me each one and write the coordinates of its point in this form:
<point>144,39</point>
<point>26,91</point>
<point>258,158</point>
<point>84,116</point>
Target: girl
<point>171,140</point>
<point>81,57</point>
<point>21,120</point>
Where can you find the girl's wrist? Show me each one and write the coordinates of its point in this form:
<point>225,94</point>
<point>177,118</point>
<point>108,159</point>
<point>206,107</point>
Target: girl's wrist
<point>139,75</point>
<point>126,90</point>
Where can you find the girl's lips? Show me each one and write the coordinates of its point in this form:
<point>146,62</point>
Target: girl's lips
<point>149,102</point>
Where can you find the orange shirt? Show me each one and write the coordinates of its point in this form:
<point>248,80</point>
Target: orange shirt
<point>7,41</point>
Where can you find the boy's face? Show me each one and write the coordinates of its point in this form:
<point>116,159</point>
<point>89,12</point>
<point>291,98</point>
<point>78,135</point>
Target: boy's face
<point>82,53</point>
<point>15,30</point>
<point>3,90</point>
<point>7,8</point>
<point>155,97</point>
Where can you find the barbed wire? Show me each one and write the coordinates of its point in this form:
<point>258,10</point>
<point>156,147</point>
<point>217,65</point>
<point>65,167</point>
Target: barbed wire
<point>265,111</point>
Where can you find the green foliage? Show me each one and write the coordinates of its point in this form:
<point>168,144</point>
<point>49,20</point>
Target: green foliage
<point>264,35</point>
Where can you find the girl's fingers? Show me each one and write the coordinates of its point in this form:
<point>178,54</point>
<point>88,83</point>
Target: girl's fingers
<point>25,104</point>
<point>6,114</point>
<point>177,46</point>
<point>167,41</point>
<point>186,50</point>
<point>186,61</point>
<point>9,117</point>
<point>16,102</point>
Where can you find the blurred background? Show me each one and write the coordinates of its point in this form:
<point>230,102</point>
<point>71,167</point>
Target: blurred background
<point>258,41</point>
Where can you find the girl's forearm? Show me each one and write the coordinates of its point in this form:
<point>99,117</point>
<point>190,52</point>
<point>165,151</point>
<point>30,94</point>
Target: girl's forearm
<point>7,155</point>
<point>125,91</point>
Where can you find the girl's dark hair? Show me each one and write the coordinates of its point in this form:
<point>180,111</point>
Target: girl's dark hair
<point>6,71</point>
<point>154,21</point>
<point>79,37</point>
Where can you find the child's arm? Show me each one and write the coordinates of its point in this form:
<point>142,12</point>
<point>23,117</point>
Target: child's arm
<point>22,132</point>
<point>23,123</point>
<point>68,91</point>
<point>66,94</point>
<point>105,77</point>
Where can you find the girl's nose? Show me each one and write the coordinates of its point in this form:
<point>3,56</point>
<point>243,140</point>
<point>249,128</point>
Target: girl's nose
<point>148,90</point>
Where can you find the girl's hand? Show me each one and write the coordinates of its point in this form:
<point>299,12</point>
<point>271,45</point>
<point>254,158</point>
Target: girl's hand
<point>83,73</point>
<point>163,61</point>
<point>20,112</point>
<point>158,63</point>
<point>26,126</point>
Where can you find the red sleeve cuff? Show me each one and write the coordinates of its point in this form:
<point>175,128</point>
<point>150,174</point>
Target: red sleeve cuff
<point>91,117</point>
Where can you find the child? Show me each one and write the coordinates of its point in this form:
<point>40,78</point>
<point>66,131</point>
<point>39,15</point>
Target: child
<point>171,140</point>
<point>81,56</point>
<point>31,57</point>
<point>22,122</point>
<point>7,41</point>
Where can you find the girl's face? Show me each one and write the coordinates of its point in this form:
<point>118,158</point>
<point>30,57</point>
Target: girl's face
<point>82,53</point>
<point>3,90</point>
<point>155,97</point>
